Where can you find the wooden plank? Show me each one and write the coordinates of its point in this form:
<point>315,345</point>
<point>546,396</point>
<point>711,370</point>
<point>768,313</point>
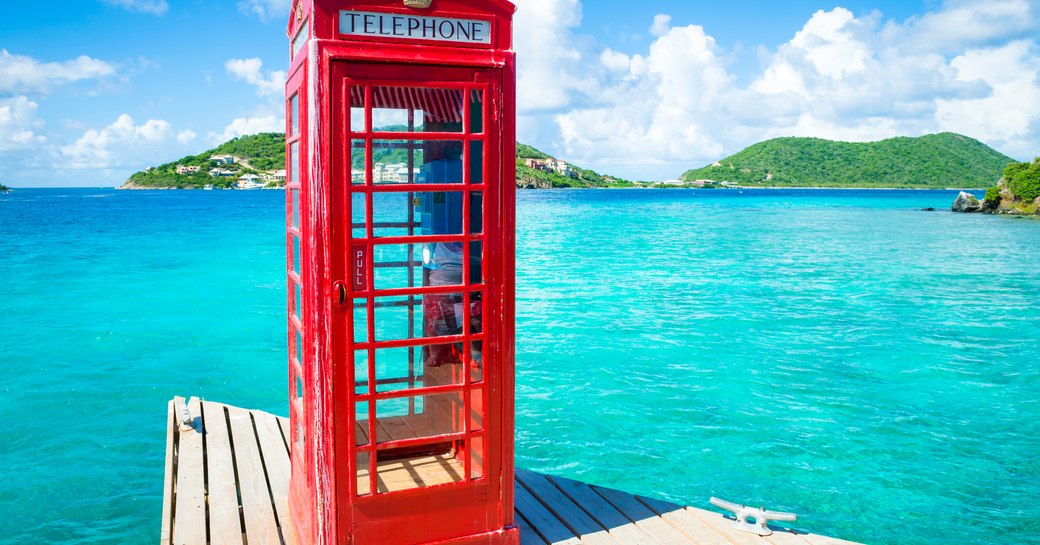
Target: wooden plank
<point>276,460</point>
<point>643,517</point>
<point>549,510</point>
<point>394,429</point>
<point>587,529</point>
<point>542,520</point>
<point>725,526</point>
<point>283,424</point>
<point>816,539</point>
<point>603,512</point>
<point>225,524</point>
<point>257,510</point>
<point>689,525</point>
<point>189,526</point>
<point>419,472</point>
<point>527,534</point>
<point>166,533</point>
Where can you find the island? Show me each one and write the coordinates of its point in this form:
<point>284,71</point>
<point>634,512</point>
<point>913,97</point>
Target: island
<point>248,162</point>
<point>258,162</point>
<point>935,161</point>
<point>4,189</point>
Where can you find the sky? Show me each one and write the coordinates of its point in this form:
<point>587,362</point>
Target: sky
<point>94,90</point>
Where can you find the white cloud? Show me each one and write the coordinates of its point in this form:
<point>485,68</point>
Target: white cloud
<point>662,22</point>
<point>972,66</point>
<point>271,83</point>
<point>20,74</point>
<point>1010,113</point>
<point>830,41</point>
<point>18,125</point>
<point>123,144</point>
<point>266,9</point>
<point>970,23</point>
<point>243,126</point>
<point>550,60</point>
<point>154,7</point>
<point>186,137</point>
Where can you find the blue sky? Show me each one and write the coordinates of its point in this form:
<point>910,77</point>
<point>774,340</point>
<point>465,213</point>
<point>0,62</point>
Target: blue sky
<point>93,90</point>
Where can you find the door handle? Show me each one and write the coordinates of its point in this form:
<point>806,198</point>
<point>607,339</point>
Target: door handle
<point>339,290</point>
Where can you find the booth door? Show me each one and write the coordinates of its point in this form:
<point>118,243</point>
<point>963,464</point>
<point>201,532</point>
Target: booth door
<point>416,192</point>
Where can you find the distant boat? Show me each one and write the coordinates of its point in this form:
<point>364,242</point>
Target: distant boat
<point>208,187</point>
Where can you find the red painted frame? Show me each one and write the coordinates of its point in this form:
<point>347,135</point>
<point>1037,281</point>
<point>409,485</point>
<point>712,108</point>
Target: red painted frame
<point>324,506</point>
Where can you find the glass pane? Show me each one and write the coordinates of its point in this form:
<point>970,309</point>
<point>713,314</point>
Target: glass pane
<point>363,482</point>
<point>358,205</point>
<point>399,369</point>
<point>294,115</point>
<point>476,468</point>
<point>298,300</point>
<point>404,470</point>
<point>416,109</point>
<point>361,375</point>
<point>394,214</point>
<point>357,109</point>
<point>476,263</point>
<point>436,414</point>
<point>298,393</point>
<point>390,161</point>
<point>476,162</point>
<point>398,266</point>
<point>442,162</point>
<point>476,112</point>
<point>476,409</point>
<point>357,162</point>
<point>299,349</point>
<point>361,427</point>
<point>360,321</point>
<point>440,212</point>
<point>398,318</point>
<point>301,38</point>
<point>297,213</point>
<point>294,153</point>
<point>297,255</point>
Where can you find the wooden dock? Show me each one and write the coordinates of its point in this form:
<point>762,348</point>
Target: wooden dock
<point>227,481</point>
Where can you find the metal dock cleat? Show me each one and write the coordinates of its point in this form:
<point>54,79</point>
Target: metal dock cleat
<point>761,517</point>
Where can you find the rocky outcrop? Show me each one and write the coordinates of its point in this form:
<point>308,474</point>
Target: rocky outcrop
<point>966,202</point>
<point>525,182</point>
<point>999,201</point>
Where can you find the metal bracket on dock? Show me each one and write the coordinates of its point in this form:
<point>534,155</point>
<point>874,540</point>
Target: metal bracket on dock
<point>184,420</point>
<point>761,517</point>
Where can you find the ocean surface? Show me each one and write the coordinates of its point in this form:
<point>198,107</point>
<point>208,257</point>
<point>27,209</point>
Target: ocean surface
<point>841,354</point>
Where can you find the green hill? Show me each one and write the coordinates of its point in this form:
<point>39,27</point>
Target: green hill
<point>542,177</point>
<point>932,161</point>
<point>258,154</point>
<point>262,154</point>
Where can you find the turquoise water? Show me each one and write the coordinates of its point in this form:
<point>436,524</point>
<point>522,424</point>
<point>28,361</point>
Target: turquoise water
<point>840,354</point>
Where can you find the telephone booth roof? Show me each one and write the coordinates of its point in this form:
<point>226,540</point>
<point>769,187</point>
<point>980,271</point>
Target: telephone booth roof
<point>325,15</point>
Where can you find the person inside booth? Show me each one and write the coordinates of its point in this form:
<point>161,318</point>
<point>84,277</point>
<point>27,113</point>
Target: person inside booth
<point>441,214</point>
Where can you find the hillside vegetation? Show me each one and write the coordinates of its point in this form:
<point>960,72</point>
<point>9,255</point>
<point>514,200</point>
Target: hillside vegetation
<point>261,153</point>
<point>1023,180</point>
<point>532,178</point>
<point>266,152</point>
<point>1017,192</point>
<point>932,161</point>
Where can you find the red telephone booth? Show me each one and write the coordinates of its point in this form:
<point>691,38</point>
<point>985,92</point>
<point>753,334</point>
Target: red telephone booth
<point>400,219</point>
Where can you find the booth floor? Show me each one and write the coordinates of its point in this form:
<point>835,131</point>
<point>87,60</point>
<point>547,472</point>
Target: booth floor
<point>232,488</point>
